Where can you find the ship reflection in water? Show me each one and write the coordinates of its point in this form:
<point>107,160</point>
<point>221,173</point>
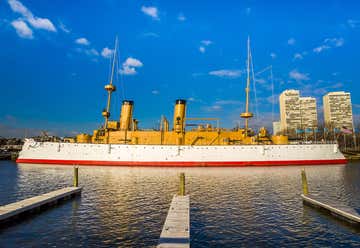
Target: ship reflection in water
<point>230,207</point>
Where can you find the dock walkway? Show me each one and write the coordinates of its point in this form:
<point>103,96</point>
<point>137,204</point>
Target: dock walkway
<point>176,230</point>
<point>345,212</point>
<point>12,210</point>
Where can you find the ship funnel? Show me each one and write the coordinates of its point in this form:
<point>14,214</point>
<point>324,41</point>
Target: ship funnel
<point>179,115</point>
<point>126,114</point>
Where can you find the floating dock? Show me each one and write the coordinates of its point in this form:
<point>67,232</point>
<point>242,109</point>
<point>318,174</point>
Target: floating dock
<point>334,208</point>
<point>16,209</point>
<point>176,230</point>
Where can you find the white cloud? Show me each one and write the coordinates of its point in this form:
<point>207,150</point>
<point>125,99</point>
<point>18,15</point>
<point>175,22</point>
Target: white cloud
<point>206,42</point>
<point>181,17</point>
<point>298,56</point>
<point>273,55</point>
<point>291,41</point>
<point>220,105</point>
<point>92,52</point>
<point>42,23</point>
<point>151,34</point>
<point>64,28</point>
<point>228,102</point>
<point>329,43</point>
<point>18,7</point>
<point>216,107</point>
<point>34,21</point>
<point>321,48</point>
<point>155,92</point>
<point>151,11</point>
<point>133,62</point>
<point>212,108</point>
<point>226,73</point>
<point>82,41</point>
<point>336,85</point>
<point>353,23</point>
<point>22,29</point>
<point>130,65</point>
<point>107,52</point>
<point>128,71</point>
<point>334,42</point>
<point>298,76</point>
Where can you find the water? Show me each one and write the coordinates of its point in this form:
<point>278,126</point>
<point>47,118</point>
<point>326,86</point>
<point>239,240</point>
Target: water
<point>230,207</point>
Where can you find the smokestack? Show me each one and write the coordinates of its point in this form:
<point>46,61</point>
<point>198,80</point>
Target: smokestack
<point>179,115</point>
<point>126,114</point>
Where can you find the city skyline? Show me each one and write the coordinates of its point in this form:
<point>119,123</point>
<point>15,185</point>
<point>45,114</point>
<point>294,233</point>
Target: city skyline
<point>299,113</point>
<point>56,60</point>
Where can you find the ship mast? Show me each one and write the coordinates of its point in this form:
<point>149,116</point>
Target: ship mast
<point>110,87</point>
<point>246,115</point>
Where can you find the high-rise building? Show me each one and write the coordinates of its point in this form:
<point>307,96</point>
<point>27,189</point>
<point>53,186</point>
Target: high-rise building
<point>338,110</point>
<point>290,118</point>
<point>297,112</point>
<point>308,112</point>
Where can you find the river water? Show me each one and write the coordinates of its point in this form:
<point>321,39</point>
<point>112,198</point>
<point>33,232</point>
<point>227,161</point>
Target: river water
<point>230,207</point>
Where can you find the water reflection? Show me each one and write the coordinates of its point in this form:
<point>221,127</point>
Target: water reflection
<point>122,206</point>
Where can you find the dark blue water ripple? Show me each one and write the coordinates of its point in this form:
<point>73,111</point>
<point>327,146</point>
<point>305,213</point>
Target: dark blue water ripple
<point>230,207</point>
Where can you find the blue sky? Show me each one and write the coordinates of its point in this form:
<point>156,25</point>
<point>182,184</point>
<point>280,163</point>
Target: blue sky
<point>55,59</point>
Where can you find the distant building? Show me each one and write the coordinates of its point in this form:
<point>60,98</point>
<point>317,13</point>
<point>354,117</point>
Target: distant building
<point>296,112</point>
<point>290,118</point>
<point>338,110</point>
<point>308,112</point>
<point>276,127</point>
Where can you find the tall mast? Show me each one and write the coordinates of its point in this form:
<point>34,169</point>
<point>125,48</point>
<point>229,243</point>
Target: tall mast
<point>110,87</point>
<point>246,115</point>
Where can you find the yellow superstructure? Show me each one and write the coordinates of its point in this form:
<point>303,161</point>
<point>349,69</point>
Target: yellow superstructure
<point>125,131</point>
<point>83,138</point>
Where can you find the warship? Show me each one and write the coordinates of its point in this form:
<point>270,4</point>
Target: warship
<point>122,143</point>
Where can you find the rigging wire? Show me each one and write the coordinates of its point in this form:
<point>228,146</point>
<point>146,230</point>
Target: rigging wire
<point>116,57</point>
<point>110,60</point>
<point>272,94</point>
<point>254,83</point>
<point>269,68</point>
<point>121,77</point>
<point>264,70</point>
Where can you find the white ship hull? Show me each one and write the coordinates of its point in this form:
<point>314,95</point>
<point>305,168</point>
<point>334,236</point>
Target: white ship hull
<point>171,155</point>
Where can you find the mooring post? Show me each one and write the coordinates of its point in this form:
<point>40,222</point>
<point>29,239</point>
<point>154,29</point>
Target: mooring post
<point>304,182</point>
<point>76,176</point>
<point>182,184</point>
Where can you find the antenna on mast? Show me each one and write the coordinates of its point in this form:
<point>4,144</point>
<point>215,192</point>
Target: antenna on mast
<point>110,87</point>
<point>246,115</point>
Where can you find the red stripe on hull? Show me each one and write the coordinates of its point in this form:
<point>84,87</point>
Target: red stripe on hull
<point>183,164</point>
